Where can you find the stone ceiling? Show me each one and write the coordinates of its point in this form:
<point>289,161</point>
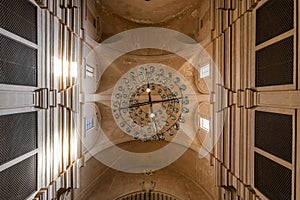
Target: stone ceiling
<point>118,15</point>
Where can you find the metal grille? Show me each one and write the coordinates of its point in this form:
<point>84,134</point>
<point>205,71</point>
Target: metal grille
<point>272,179</point>
<point>274,134</point>
<point>18,63</point>
<point>19,18</point>
<point>19,181</point>
<point>273,19</point>
<point>275,64</point>
<point>18,135</point>
<point>148,196</point>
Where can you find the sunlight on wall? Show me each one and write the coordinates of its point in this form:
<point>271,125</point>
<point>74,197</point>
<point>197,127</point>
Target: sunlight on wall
<point>64,71</point>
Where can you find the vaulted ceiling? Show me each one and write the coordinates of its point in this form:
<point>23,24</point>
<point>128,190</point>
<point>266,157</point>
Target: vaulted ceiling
<point>183,16</point>
<point>118,15</point>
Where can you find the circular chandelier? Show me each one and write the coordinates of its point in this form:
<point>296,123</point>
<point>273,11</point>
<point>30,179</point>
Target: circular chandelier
<point>148,102</point>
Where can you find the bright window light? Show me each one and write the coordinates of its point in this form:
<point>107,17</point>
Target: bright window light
<point>204,71</point>
<point>89,124</point>
<point>204,124</point>
<point>74,69</point>
<point>57,67</point>
<point>89,71</point>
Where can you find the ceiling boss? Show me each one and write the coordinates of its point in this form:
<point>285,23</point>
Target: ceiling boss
<point>148,102</point>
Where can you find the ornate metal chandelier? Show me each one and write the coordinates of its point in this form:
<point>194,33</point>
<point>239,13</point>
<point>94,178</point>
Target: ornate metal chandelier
<point>148,102</point>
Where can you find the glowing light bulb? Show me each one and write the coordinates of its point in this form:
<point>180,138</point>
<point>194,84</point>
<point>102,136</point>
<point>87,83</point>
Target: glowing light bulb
<point>148,90</point>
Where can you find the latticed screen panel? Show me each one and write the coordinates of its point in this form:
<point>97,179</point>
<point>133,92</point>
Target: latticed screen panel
<point>274,134</point>
<point>148,196</point>
<point>18,63</point>
<point>275,64</point>
<point>18,135</point>
<point>272,179</point>
<point>274,18</point>
<point>20,18</point>
<point>19,181</point>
